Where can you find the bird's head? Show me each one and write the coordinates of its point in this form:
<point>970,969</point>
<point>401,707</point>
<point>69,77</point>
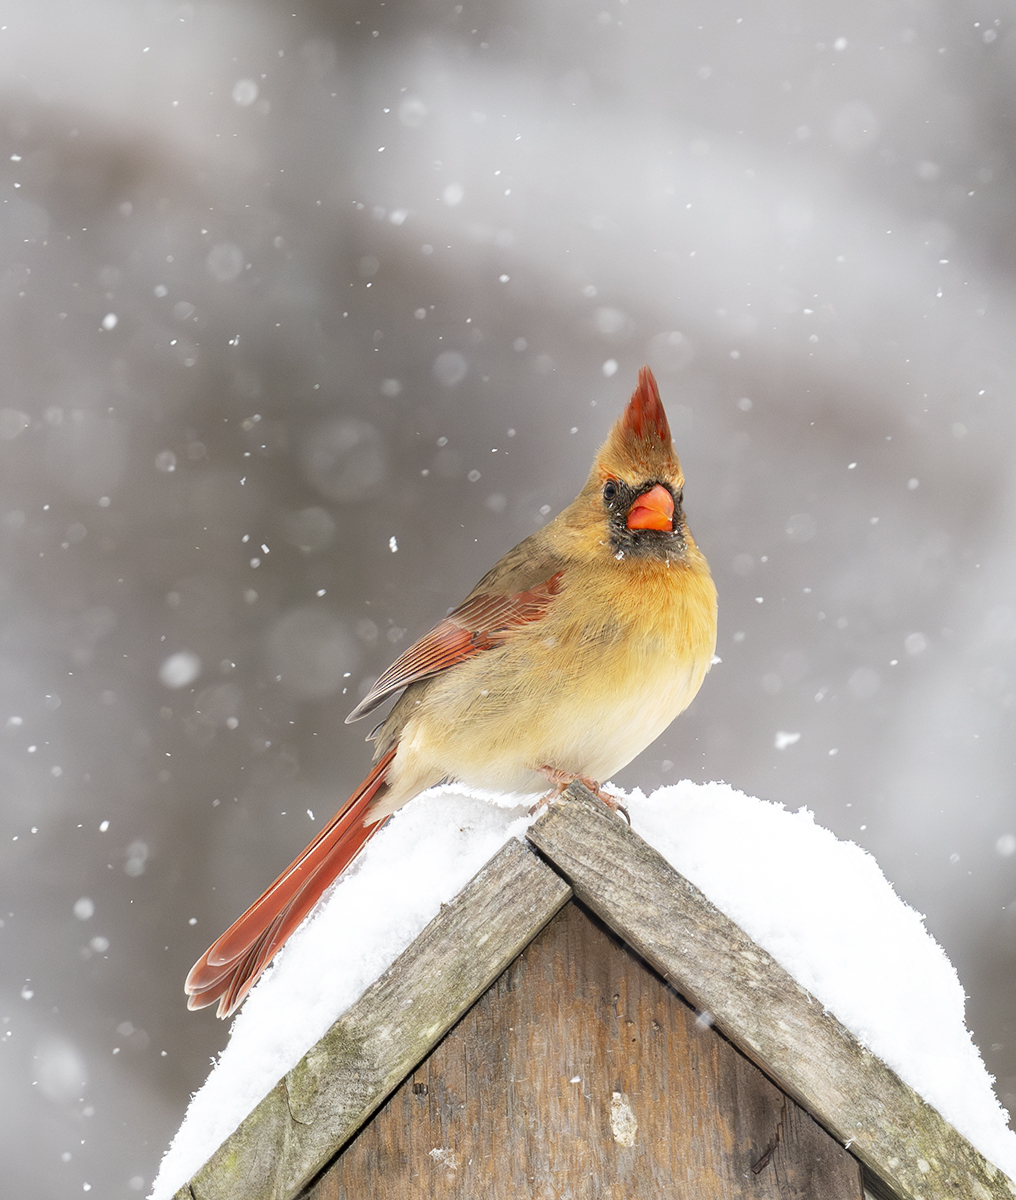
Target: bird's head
<point>636,482</point>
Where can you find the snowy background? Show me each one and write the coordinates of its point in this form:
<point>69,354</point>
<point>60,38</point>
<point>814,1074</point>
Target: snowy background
<point>277,282</point>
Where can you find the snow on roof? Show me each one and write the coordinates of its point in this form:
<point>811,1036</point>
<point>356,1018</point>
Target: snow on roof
<point>820,906</point>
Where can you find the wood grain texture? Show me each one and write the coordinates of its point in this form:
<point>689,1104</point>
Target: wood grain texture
<point>581,1073</point>
<point>911,1152</point>
<point>321,1103</point>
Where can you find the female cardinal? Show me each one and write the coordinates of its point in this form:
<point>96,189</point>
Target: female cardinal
<point>564,662</point>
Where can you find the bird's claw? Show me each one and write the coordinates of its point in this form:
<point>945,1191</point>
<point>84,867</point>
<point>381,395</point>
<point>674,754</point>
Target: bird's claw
<point>562,779</point>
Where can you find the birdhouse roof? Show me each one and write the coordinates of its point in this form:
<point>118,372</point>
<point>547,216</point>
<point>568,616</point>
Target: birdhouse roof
<point>580,850</point>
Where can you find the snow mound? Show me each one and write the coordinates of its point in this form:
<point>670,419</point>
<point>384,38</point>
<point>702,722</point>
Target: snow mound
<point>821,907</point>
<point>421,859</point>
<point>826,913</point>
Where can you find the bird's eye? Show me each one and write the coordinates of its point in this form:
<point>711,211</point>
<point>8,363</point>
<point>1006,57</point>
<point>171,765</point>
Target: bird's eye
<point>609,490</point>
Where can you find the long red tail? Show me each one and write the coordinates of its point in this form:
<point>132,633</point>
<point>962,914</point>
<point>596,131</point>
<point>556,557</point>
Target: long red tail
<point>230,967</point>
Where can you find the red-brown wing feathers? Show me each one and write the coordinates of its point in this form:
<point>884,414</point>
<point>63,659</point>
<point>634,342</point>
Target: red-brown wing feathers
<point>479,624</point>
<point>230,967</point>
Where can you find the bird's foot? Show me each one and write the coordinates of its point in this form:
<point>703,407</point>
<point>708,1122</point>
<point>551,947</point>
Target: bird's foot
<point>562,779</point>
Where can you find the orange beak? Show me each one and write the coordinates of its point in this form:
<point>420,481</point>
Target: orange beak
<point>653,510</point>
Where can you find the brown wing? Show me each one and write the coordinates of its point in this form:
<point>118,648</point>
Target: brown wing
<point>479,623</point>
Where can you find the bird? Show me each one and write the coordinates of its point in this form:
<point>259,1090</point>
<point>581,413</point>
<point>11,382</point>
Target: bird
<point>565,661</point>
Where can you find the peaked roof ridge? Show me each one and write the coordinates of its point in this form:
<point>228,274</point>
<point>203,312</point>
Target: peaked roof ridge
<point>906,1147</point>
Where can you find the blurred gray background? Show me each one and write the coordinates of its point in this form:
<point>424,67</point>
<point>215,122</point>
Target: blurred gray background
<point>311,312</point>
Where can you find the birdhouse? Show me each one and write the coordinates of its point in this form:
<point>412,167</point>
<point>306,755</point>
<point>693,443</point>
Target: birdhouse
<point>582,1022</point>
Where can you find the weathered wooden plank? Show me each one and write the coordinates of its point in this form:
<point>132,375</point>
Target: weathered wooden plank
<point>907,1146</point>
<point>579,1072</point>
<point>369,1050</point>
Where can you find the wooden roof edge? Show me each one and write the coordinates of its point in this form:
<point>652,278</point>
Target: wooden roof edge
<point>318,1105</point>
<point>909,1151</point>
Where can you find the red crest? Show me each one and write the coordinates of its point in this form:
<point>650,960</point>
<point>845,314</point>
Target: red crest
<point>645,416</point>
